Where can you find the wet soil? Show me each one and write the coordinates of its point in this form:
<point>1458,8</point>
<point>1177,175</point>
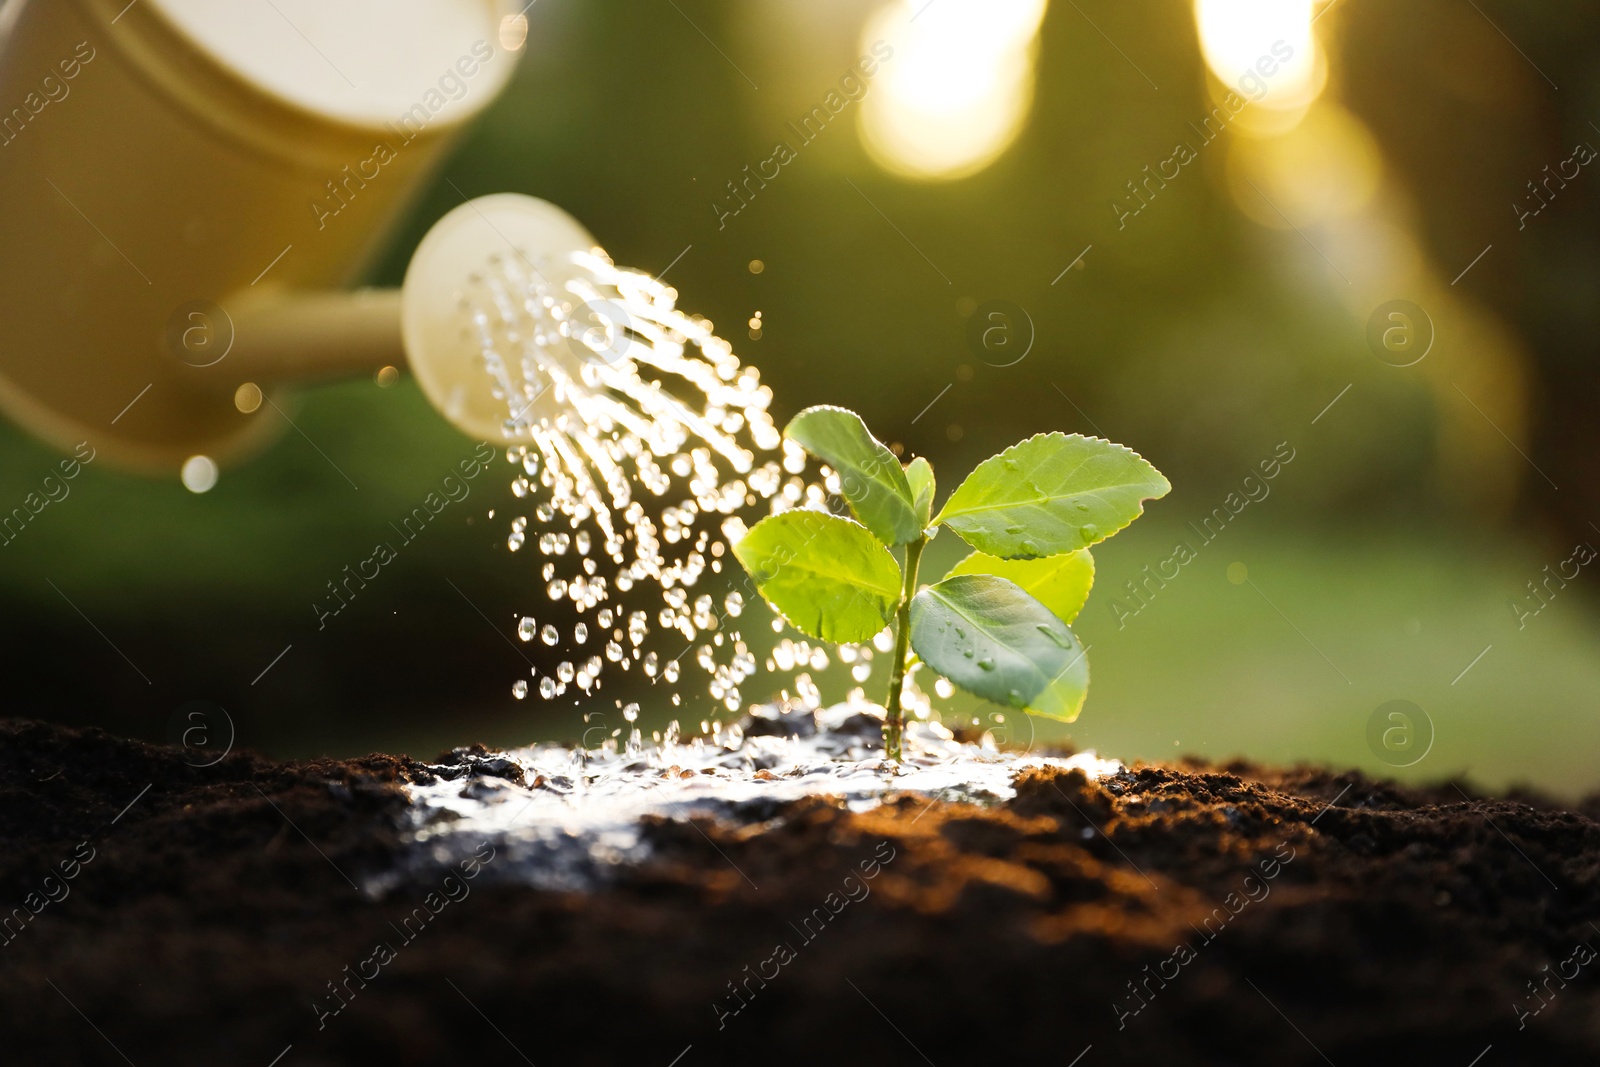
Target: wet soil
<point>161,913</point>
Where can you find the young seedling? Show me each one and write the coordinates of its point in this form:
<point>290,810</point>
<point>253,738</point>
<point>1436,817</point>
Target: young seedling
<point>996,625</point>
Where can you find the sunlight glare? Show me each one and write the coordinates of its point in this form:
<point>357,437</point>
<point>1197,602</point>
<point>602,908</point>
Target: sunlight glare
<point>958,88</point>
<point>1264,50</point>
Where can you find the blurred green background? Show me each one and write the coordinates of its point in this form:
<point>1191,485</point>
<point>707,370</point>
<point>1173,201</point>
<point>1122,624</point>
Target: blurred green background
<point>1218,323</point>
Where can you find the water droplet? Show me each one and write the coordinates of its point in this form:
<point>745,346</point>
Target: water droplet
<point>527,628</point>
<point>580,633</point>
<point>519,688</point>
<point>199,473</point>
<point>549,634</point>
<point>1055,635</point>
<point>986,664</point>
<point>1089,531</point>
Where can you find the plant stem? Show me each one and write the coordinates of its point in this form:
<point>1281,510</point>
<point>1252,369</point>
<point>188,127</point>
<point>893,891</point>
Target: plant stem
<point>894,718</point>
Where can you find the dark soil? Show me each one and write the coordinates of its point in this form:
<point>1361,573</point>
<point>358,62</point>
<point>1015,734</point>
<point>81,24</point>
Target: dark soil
<point>1176,914</point>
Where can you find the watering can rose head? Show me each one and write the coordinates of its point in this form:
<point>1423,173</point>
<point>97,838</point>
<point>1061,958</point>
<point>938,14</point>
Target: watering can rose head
<point>997,624</point>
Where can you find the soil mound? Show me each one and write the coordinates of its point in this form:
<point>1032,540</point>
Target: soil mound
<point>156,912</point>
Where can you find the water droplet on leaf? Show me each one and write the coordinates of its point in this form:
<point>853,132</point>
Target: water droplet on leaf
<point>1055,635</point>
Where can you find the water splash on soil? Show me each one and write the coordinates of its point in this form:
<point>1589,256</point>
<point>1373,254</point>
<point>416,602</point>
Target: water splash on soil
<point>565,818</point>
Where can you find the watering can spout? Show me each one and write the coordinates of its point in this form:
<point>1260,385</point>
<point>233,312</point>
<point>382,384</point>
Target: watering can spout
<point>303,336</point>
<point>430,325</point>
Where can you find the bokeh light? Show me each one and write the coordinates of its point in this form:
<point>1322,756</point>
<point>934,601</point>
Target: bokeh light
<point>513,32</point>
<point>1327,167</point>
<point>1265,51</point>
<point>199,474</point>
<point>958,88</point>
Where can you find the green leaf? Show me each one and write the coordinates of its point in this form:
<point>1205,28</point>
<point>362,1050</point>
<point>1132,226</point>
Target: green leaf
<point>829,577</point>
<point>1049,494</point>
<point>1061,583</point>
<point>994,640</point>
<point>919,475</point>
<point>870,478</point>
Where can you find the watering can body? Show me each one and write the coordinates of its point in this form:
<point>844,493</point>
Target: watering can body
<point>171,169</point>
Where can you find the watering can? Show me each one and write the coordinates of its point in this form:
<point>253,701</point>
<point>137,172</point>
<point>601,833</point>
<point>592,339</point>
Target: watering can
<point>188,186</point>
